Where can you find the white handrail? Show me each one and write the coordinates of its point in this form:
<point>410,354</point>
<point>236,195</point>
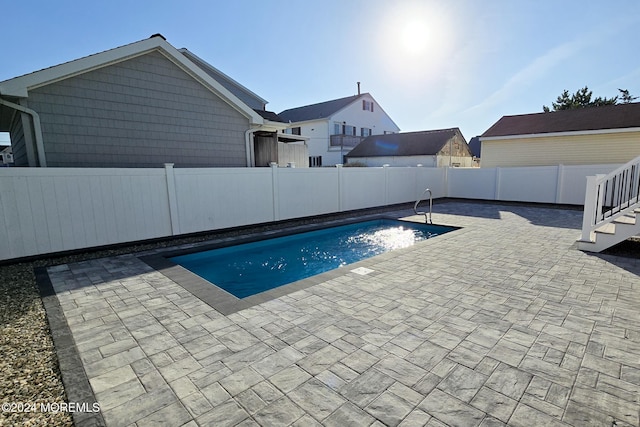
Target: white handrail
<point>617,170</point>
<point>610,196</point>
<point>617,190</point>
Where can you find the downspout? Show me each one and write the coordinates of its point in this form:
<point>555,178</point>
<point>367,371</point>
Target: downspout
<point>247,143</point>
<point>37,129</point>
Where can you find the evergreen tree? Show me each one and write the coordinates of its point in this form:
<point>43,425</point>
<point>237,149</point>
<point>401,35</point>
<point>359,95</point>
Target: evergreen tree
<point>582,99</point>
<point>626,97</point>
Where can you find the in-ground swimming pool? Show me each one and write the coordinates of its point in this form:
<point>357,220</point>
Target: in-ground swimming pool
<point>255,267</point>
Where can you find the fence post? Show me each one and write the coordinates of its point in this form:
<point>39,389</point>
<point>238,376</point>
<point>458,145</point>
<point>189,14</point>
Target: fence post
<point>385,169</point>
<point>559,183</point>
<point>447,191</point>
<point>172,197</point>
<point>496,195</point>
<point>275,191</point>
<point>590,207</point>
<point>416,179</point>
<point>340,184</point>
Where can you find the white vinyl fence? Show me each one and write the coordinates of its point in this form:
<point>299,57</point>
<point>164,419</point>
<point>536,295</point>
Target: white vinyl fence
<point>45,210</point>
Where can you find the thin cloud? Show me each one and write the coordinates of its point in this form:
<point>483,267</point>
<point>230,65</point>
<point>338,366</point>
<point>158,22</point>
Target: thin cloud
<point>624,79</point>
<point>532,72</point>
<point>541,65</point>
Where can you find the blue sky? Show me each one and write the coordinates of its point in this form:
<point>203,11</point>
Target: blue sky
<point>429,64</point>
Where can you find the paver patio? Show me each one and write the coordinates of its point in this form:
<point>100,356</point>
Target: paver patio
<point>502,322</point>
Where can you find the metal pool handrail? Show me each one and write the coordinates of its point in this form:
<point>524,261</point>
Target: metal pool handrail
<point>427,219</point>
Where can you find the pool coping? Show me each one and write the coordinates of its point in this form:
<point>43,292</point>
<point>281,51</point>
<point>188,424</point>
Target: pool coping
<point>226,303</point>
<point>74,377</point>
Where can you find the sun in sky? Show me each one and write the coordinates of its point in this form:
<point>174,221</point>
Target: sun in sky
<point>414,42</point>
<point>415,37</point>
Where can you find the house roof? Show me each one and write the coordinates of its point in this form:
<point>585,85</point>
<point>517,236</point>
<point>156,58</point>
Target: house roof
<point>269,115</point>
<point>584,119</point>
<point>254,101</point>
<point>475,146</point>
<point>19,87</point>
<point>321,110</point>
<point>423,143</point>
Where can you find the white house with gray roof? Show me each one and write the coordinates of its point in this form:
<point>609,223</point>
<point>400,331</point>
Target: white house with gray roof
<point>335,127</point>
<point>139,105</point>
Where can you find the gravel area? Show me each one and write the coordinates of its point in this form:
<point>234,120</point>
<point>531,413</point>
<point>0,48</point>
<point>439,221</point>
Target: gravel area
<point>29,370</point>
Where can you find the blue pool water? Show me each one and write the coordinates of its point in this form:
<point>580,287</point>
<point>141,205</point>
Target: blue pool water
<point>251,268</point>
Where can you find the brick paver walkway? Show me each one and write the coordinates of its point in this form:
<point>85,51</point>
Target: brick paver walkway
<point>503,322</point>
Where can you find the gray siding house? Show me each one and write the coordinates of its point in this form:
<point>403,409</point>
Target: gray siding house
<point>138,105</point>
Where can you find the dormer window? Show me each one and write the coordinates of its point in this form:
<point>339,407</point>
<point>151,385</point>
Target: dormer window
<point>367,105</point>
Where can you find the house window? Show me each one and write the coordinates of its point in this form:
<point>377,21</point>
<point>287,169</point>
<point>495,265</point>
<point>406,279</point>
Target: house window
<point>365,132</point>
<point>315,161</point>
<point>293,131</point>
<point>343,129</point>
<point>367,105</point>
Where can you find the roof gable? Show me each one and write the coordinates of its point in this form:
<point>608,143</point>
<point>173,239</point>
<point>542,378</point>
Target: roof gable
<point>250,98</point>
<point>423,143</point>
<point>584,119</point>
<point>320,110</point>
<point>20,86</point>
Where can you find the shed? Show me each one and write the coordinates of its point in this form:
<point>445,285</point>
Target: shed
<point>432,148</point>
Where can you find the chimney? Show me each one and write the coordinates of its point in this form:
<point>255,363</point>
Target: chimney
<point>358,88</point>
